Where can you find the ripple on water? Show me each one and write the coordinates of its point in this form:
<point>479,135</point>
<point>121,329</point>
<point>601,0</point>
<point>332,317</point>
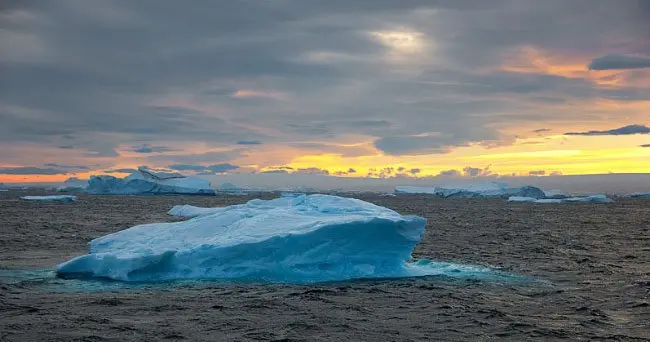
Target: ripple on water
<point>47,279</point>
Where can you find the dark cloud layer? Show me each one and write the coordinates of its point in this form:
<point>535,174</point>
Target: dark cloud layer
<point>626,130</point>
<point>615,62</point>
<point>206,170</point>
<point>542,130</point>
<point>146,148</point>
<point>77,167</point>
<point>249,142</point>
<point>28,170</point>
<point>125,170</point>
<point>96,75</point>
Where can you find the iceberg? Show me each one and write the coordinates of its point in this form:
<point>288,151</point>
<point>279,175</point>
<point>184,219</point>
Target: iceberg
<point>302,239</point>
<point>555,194</point>
<point>147,181</point>
<point>587,199</point>
<point>637,195</point>
<point>232,189</point>
<point>590,199</point>
<point>73,184</point>
<point>61,198</point>
<point>403,189</point>
<point>190,211</point>
<point>521,199</point>
<point>476,190</point>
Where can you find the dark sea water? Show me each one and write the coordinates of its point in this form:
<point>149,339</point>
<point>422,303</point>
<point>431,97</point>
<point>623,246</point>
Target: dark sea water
<point>516,272</point>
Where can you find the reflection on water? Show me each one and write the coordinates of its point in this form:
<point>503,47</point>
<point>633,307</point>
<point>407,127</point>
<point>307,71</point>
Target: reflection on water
<point>425,269</point>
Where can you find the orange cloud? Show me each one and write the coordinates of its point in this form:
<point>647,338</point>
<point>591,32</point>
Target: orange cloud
<point>533,60</point>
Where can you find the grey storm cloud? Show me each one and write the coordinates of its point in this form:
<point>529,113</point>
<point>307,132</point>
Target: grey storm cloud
<point>126,170</point>
<point>210,169</point>
<point>450,173</point>
<point>283,172</point>
<point>616,62</point>
<point>645,145</point>
<point>221,168</point>
<point>28,170</point>
<point>196,158</point>
<point>106,72</point>
<point>312,171</point>
<point>469,171</point>
<point>146,148</point>
<point>626,130</point>
<point>541,130</point>
<point>78,167</point>
<point>249,142</point>
<point>184,167</point>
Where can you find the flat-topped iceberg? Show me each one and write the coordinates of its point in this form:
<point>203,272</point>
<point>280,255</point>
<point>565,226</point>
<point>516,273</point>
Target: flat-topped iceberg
<point>146,181</point>
<point>60,198</point>
<point>637,195</point>
<point>405,189</point>
<point>299,239</point>
<point>586,199</point>
<point>474,190</point>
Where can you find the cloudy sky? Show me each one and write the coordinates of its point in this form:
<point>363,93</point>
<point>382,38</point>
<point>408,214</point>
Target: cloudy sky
<point>364,88</point>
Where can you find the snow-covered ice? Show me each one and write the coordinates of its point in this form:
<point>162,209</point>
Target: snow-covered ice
<point>405,189</point>
<point>146,181</point>
<point>556,194</point>
<point>73,184</point>
<point>289,239</point>
<point>59,198</point>
<point>590,199</point>
<point>190,211</point>
<point>473,190</point>
<point>586,199</point>
<point>521,199</point>
<point>637,195</point>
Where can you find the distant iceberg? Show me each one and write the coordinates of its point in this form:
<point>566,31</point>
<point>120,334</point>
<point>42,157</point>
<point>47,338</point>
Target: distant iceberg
<point>637,195</point>
<point>474,190</point>
<point>555,194</point>
<point>404,189</point>
<point>232,189</point>
<point>302,239</point>
<point>522,199</point>
<point>586,199</point>
<point>190,211</point>
<point>147,181</point>
<point>60,198</point>
<point>73,184</point>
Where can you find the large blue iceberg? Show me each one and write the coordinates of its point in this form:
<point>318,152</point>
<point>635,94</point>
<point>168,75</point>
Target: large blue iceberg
<point>147,181</point>
<point>299,239</point>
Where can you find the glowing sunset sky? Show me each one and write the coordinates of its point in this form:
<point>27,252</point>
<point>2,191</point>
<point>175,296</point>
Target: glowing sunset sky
<point>367,88</point>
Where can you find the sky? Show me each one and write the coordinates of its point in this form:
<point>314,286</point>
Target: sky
<point>359,89</point>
